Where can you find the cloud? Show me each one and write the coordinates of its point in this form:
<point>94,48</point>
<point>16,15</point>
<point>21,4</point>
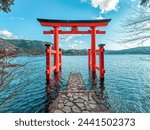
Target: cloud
<point>66,38</point>
<point>7,35</point>
<point>16,18</point>
<point>99,17</point>
<point>105,5</point>
<point>21,19</point>
<point>72,46</point>
<point>78,41</point>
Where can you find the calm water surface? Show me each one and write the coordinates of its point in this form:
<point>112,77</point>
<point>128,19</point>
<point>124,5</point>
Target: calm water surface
<point>126,86</point>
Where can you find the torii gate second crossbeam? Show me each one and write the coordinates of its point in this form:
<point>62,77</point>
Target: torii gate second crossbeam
<point>74,24</point>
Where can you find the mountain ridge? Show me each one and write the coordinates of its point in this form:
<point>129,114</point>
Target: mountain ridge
<point>35,47</point>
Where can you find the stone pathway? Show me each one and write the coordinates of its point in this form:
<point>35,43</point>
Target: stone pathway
<point>77,99</point>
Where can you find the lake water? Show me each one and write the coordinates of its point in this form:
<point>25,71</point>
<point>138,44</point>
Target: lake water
<point>126,87</point>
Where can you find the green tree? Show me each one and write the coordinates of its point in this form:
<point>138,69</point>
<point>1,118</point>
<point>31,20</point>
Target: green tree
<point>5,5</point>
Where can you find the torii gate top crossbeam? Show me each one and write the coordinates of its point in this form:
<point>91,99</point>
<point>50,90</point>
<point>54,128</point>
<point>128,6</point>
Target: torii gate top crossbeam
<point>74,23</point>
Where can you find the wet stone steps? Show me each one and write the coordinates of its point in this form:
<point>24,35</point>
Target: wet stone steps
<point>76,99</point>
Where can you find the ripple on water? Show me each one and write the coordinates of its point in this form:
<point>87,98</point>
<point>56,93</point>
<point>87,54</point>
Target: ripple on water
<point>126,87</point>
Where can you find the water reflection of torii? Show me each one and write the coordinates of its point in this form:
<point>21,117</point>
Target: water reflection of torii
<point>52,89</point>
<point>98,85</point>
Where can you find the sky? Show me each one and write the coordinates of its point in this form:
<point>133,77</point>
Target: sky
<point>21,22</point>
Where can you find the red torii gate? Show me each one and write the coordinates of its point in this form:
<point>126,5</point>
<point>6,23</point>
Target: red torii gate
<point>74,24</point>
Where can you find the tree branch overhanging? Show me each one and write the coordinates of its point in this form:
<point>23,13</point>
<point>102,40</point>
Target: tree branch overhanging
<point>5,5</point>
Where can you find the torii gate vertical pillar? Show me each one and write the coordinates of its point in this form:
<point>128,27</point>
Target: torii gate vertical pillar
<point>89,58</point>
<point>48,61</point>
<point>56,48</point>
<point>101,60</point>
<point>93,48</point>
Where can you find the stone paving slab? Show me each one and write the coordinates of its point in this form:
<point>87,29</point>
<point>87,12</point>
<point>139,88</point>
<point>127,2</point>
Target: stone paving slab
<point>77,99</point>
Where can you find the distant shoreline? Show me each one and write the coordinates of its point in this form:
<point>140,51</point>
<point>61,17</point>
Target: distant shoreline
<point>31,55</point>
<point>80,55</point>
<point>33,47</point>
